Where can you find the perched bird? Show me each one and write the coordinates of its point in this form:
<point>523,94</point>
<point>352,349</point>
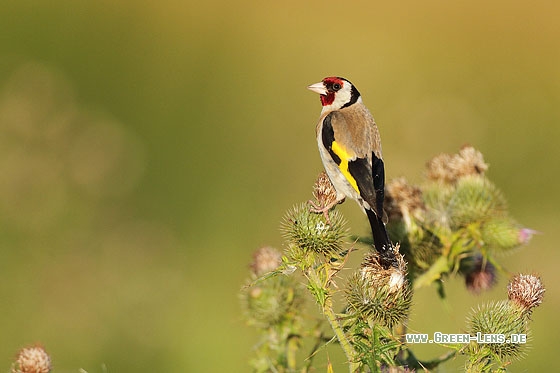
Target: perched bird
<point>350,148</point>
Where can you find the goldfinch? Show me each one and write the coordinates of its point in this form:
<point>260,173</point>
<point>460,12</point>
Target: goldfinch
<point>350,148</point>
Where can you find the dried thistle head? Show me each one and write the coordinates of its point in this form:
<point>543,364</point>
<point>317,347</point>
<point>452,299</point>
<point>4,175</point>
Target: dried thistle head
<point>438,168</point>
<point>323,191</point>
<point>450,168</point>
<point>387,268</point>
<point>469,161</point>
<point>527,291</point>
<point>403,199</point>
<point>32,360</point>
<point>480,275</point>
<point>380,290</point>
<point>265,259</point>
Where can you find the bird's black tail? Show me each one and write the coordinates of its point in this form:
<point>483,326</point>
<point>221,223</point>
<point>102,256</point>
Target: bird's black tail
<point>380,237</point>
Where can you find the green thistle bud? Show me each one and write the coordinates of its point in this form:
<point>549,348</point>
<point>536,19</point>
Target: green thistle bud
<point>475,200</point>
<point>503,234</point>
<point>526,291</point>
<point>380,292</point>
<point>310,231</point>
<point>436,197</point>
<point>499,318</point>
<point>271,301</point>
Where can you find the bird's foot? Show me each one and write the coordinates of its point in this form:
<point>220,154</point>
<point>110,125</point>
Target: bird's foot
<point>318,209</point>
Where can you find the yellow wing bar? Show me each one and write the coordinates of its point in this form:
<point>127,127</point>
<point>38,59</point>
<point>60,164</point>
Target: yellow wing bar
<point>343,166</point>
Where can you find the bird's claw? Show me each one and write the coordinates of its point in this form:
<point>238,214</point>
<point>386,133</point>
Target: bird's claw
<point>318,209</point>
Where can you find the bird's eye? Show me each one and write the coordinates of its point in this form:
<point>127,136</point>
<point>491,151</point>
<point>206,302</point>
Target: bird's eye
<point>336,86</point>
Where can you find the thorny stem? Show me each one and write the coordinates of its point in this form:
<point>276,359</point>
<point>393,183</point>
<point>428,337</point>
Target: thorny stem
<point>320,280</point>
<point>344,342</point>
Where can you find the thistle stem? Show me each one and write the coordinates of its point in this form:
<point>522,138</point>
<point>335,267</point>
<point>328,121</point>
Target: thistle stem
<point>319,284</point>
<point>344,342</point>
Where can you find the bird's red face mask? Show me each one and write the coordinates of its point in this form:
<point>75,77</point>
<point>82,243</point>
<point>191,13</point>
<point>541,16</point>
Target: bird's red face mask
<point>327,89</point>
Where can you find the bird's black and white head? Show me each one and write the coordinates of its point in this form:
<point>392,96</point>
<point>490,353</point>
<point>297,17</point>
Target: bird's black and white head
<point>336,93</point>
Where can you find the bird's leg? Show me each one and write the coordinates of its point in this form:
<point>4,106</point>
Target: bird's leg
<point>318,209</point>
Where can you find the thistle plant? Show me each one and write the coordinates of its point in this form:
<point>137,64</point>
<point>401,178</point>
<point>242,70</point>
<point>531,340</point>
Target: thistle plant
<point>273,306</point>
<point>456,223</point>
<point>456,219</point>
<point>508,319</point>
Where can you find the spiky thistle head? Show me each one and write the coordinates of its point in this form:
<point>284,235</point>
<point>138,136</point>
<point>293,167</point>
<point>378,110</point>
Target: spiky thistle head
<point>271,301</point>
<point>526,291</point>
<point>32,360</point>
<point>475,200</point>
<point>503,234</point>
<point>500,318</point>
<point>380,291</point>
<point>436,197</point>
<point>311,233</point>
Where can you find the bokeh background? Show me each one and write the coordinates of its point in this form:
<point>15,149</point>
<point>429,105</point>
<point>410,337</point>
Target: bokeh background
<point>147,148</point>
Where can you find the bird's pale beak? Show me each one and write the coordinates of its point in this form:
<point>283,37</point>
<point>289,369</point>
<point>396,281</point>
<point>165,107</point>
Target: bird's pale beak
<point>318,88</point>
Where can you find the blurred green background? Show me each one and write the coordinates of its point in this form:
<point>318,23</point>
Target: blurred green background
<point>147,148</point>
